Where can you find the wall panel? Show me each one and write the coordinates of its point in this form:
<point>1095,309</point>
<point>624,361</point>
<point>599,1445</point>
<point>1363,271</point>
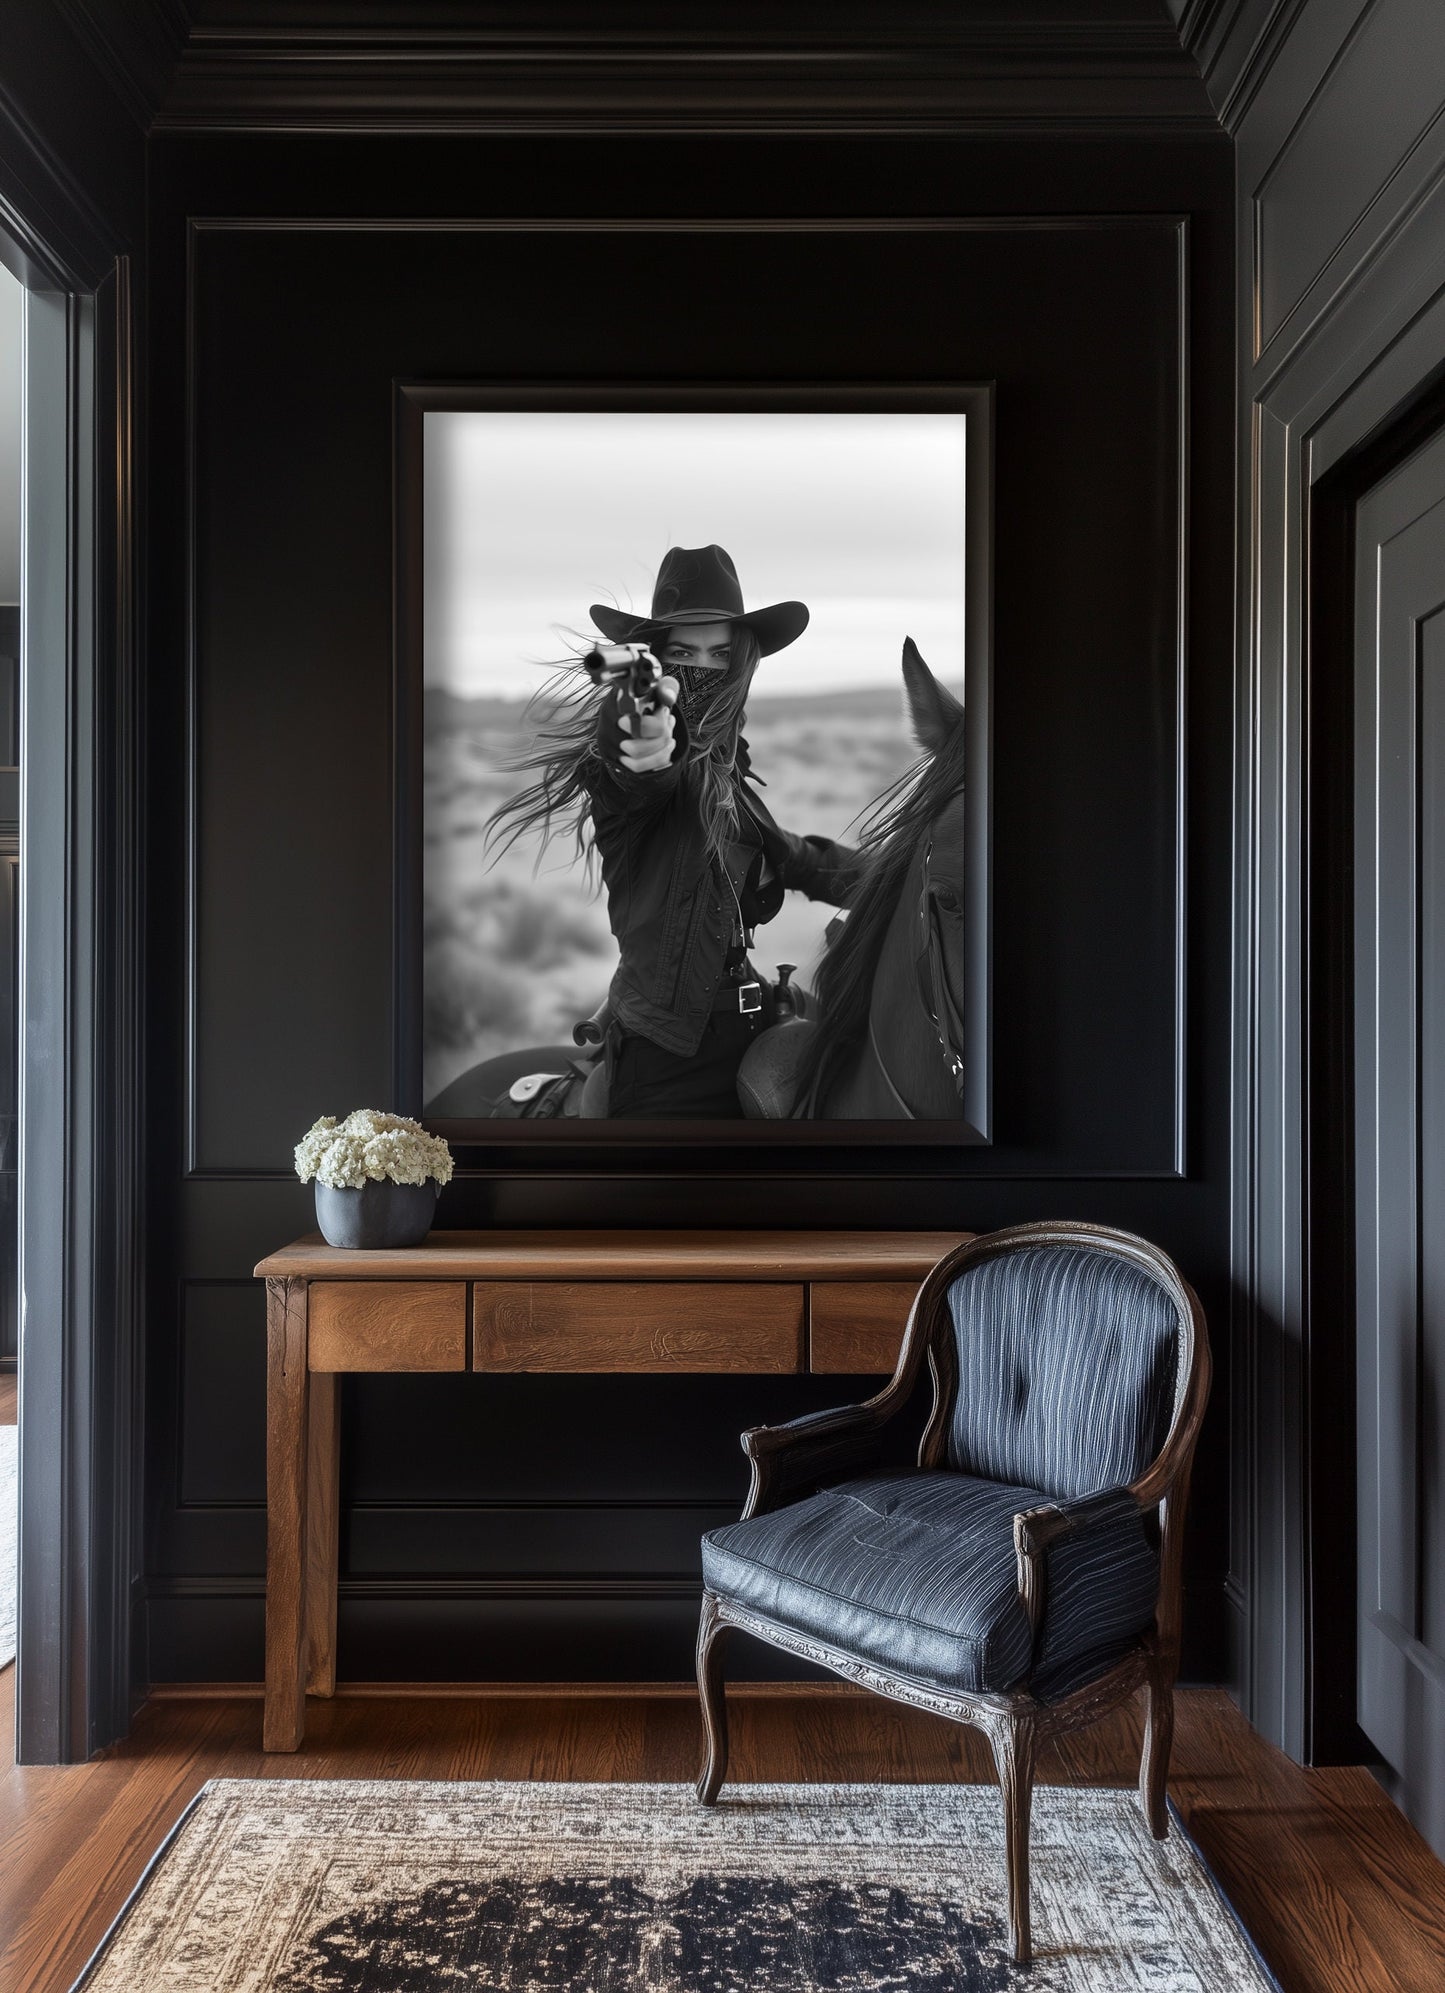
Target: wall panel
<point>291,673</point>
<point>1365,145</point>
<point>1340,340</point>
<point>295,280</point>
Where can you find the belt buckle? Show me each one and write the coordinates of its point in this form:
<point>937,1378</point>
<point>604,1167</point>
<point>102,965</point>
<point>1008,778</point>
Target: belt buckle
<point>753,990</point>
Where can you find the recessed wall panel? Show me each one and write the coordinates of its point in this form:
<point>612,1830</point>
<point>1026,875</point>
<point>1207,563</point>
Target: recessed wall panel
<point>222,1394</point>
<point>1365,116</point>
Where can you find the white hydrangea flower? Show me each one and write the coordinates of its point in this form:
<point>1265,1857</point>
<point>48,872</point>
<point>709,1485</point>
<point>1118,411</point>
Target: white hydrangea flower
<point>369,1146</point>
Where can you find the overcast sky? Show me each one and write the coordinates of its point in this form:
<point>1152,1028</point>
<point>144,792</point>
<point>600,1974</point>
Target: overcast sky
<point>532,517</point>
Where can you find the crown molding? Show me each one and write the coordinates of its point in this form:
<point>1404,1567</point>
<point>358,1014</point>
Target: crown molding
<point>1234,42</point>
<point>998,66</point>
<point>135,44</point>
<point>1002,67</point>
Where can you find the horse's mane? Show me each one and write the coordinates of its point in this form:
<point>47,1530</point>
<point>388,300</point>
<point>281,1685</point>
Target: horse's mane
<point>889,837</point>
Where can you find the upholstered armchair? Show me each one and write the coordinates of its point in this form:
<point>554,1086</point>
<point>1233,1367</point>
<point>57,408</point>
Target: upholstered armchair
<point>1025,1576</point>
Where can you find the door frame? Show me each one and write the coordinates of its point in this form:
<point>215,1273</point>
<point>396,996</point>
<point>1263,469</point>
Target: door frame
<point>1333,1521</point>
<point>1325,426</point>
<point>80,1012</point>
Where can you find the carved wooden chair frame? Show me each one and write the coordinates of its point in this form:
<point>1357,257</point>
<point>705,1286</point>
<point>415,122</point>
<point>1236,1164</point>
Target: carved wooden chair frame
<point>825,1447</point>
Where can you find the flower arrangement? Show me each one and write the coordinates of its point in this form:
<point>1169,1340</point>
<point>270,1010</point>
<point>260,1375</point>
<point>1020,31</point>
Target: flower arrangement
<point>371,1147</point>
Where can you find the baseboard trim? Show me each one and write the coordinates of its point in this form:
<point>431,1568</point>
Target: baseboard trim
<point>509,1691</point>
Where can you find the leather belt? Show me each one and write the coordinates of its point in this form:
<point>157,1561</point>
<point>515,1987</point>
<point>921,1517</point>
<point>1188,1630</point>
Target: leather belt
<point>739,999</point>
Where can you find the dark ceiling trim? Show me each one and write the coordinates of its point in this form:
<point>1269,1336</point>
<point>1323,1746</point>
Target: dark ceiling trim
<point>186,65</point>
<point>55,237</point>
<point>1200,21</point>
<point>670,95</point>
<point>135,44</point>
<point>1234,43</point>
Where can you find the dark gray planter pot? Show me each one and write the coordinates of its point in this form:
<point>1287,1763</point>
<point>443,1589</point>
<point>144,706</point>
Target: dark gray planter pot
<point>379,1214</point>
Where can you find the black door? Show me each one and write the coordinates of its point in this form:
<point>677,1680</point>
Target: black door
<point>1400,1123</point>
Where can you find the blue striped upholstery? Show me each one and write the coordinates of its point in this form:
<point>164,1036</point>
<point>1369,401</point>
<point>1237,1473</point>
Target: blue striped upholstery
<point>1067,1361</point>
<point>916,1574</point>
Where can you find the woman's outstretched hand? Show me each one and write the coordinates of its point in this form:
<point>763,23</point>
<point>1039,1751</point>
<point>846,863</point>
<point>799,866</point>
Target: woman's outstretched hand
<point>647,741</point>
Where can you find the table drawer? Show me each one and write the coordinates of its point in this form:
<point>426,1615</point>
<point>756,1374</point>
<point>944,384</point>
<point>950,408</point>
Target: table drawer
<point>637,1326</point>
<point>857,1325</point>
<point>387,1325</point>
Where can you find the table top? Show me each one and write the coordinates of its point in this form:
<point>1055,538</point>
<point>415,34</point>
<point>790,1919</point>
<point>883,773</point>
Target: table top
<point>622,1255</point>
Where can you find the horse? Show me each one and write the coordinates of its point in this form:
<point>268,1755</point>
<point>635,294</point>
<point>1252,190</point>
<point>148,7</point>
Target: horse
<point>881,1036</point>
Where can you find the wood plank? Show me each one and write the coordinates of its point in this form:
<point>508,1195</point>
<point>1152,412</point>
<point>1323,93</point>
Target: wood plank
<point>857,1325</point>
<point>392,1325</point>
<point>637,1326</point>
<point>1370,1916</point>
<point>323,1505</point>
<point>287,1417</point>
<point>617,1255</point>
<point>9,1398</point>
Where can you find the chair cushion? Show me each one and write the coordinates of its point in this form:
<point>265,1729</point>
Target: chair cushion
<point>1067,1358</point>
<point>916,1574</point>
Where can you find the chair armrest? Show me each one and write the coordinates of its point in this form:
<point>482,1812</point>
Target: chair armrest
<point>807,1451</point>
<point>801,1454</point>
<point>1036,1529</point>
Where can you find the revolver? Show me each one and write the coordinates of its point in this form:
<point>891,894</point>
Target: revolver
<point>634,671</point>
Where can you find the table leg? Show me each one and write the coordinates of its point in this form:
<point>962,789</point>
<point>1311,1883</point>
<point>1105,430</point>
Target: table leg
<point>323,1481</point>
<point>287,1395</point>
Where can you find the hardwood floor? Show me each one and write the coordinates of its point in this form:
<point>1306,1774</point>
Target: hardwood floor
<point>1340,1893</point>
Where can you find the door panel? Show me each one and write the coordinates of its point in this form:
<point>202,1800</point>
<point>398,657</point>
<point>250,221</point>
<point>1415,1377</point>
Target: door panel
<point>1400,1123</point>
<point>1430,1372</point>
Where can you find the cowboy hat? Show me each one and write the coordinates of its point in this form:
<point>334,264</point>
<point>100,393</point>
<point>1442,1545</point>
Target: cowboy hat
<point>700,585</point>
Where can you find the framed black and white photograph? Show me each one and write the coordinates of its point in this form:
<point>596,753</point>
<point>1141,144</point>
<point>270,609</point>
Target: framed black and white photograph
<point>693,715</point>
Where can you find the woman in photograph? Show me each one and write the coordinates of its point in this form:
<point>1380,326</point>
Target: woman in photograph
<point>692,860</point>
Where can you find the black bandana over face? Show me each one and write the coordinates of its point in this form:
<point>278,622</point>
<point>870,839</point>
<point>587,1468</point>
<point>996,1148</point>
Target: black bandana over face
<point>698,688</point>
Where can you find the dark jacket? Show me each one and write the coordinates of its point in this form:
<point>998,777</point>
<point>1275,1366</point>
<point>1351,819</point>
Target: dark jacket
<point>671,907</point>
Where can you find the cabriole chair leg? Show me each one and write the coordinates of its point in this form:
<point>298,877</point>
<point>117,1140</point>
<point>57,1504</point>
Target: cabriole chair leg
<point>1012,1738</point>
<point>1158,1737</point>
<point>713,1697</point>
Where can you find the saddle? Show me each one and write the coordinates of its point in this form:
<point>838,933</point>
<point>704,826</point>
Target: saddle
<point>577,1092</point>
<point>549,1096</point>
<point>768,1074</point>
<point>576,1089</point>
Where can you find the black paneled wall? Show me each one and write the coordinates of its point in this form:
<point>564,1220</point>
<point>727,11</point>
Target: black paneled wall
<point>529,1527</point>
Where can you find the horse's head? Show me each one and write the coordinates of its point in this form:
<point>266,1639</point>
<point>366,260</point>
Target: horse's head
<point>889,1025</point>
<point>932,709</point>
<point>936,718</point>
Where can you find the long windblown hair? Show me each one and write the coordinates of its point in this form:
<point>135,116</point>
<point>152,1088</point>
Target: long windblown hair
<point>565,760</point>
<point>888,841</point>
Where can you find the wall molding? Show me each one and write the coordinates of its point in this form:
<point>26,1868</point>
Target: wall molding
<point>418,1590</point>
<point>58,239</point>
<point>629,1628</point>
<point>135,43</point>
<point>1372,207</point>
<point>82,1119</point>
<point>541,1159</point>
<point>1234,43</point>
<point>924,67</point>
<point>1357,353</point>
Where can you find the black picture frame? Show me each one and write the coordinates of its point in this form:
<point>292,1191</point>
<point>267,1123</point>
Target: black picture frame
<point>533,1142</point>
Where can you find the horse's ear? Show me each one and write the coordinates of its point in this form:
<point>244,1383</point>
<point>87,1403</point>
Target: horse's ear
<point>932,709</point>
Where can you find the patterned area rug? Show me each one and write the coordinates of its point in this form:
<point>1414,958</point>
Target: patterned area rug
<point>9,1533</point>
<point>305,1886</point>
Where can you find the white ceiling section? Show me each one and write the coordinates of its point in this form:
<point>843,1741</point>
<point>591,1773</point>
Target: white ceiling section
<point>12,322</point>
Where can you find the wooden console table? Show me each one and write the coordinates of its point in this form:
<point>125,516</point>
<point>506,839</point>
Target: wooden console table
<point>755,1302</point>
